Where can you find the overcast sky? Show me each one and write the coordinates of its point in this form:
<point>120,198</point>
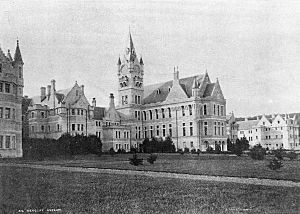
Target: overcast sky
<point>253,47</point>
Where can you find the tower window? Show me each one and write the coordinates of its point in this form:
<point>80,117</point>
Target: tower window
<point>20,72</point>
<point>0,68</point>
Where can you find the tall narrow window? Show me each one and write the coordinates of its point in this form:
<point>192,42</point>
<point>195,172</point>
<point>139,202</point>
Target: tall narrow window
<point>0,67</point>
<point>218,110</point>
<point>170,130</point>
<point>1,87</point>
<point>164,130</point>
<point>204,110</point>
<point>150,114</point>
<point>183,129</point>
<point>145,115</point>
<point>205,128</point>
<point>190,109</point>
<point>214,109</point>
<point>169,110</point>
<point>182,110</point>
<point>157,130</point>
<point>222,111</point>
<point>191,128</point>
<point>145,132</point>
<point>1,141</point>
<point>156,113</point>
<point>7,113</point>
<point>151,131</point>
<point>7,142</point>
<point>162,113</point>
<point>1,112</point>
<point>20,72</point>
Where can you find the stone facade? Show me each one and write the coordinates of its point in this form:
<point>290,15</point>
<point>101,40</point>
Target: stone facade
<point>56,112</point>
<point>11,93</point>
<point>273,132</point>
<point>192,110</point>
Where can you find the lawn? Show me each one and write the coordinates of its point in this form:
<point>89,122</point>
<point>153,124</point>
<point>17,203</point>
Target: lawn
<point>25,188</point>
<point>204,164</point>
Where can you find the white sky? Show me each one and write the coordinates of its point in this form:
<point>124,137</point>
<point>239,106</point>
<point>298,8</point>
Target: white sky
<point>253,47</point>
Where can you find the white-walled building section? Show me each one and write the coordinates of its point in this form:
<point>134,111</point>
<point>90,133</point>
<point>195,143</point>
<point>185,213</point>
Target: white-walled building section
<point>272,131</point>
<point>191,110</point>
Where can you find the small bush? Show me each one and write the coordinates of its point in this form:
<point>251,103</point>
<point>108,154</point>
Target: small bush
<point>180,151</point>
<point>279,154</point>
<point>121,151</point>
<point>209,149</point>
<point>292,155</point>
<point>152,158</point>
<point>275,164</point>
<point>193,151</point>
<point>135,160</point>
<point>112,152</point>
<point>198,152</point>
<point>186,150</point>
<point>257,152</point>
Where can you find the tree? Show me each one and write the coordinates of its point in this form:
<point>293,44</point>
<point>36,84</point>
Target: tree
<point>230,145</point>
<point>240,146</point>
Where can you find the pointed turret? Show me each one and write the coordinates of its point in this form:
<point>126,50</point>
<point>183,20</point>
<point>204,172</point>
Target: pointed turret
<point>9,55</point>
<point>195,85</point>
<point>141,61</point>
<point>18,56</point>
<point>119,61</point>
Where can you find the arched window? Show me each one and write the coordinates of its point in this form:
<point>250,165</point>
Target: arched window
<point>162,113</point>
<point>145,115</point>
<point>150,114</point>
<point>190,109</point>
<point>182,110</point>
<point>169,110</point>
<point>156,113</point>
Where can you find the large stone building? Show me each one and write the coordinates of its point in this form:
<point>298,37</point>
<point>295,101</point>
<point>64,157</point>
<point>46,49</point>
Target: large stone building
<point>11,92</point>
<point>56,112</point>
<point>192,110</point>
<point>271,131</point>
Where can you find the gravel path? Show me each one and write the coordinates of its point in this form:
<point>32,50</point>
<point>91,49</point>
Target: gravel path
<point>254,181</point>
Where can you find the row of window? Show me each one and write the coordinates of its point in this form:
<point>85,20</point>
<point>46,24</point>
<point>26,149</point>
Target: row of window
<point>43,128</point>
<point>125,134</point>
<point>7,113</point>
<point>219,110</point>
<point>7,142</point>
<point>219,128</point>
<point>119,146</point>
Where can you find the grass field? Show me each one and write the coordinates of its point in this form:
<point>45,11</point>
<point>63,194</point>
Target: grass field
<point>25,188</point>
<point>205,164</point>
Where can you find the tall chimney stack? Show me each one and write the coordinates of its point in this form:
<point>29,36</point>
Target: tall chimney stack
<point>43,93</point>
<point>111,101</point>
<point>82,89</point>
<point>94,102</point>
<point>48,90</point>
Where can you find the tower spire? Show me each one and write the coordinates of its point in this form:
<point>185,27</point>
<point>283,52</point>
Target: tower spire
<point>18,56</point>
<point>130,54</point>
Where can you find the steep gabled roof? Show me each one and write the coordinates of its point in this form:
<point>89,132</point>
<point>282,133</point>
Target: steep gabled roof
<point>159,92</point>
<point>246,125</point>
<point>209,89</point>
<point>99,113</point>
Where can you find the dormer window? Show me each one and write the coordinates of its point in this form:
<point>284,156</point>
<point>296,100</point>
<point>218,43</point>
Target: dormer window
<point>158,91</point>
<point>77,93</point>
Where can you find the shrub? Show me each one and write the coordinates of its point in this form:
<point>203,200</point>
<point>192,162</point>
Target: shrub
<point>193,151</point>
<point>186,150</point>
<point>180,151</point>
<point>279,154</point>
<point>121,151</point>
<point>257,152</point>
<point>152,158</point>
<point>217,149</point>
<point>112,151</point>
<point>209,149</point>
<point>292,155</point>
<point>198,152</point>
<point>275,164</point>
<point>133,150</point>
<point>135,160</point>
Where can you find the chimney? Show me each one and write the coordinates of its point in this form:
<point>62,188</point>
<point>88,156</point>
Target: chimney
<point>43,92</point>
<point>48,90</point>
<point>53,86</point>
<point>176,74</point>
<point>94,102</point>
<point>82,89</point>
<point>111,101</point>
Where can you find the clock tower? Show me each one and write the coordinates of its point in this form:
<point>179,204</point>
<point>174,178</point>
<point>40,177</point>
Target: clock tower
<point>130,76</point>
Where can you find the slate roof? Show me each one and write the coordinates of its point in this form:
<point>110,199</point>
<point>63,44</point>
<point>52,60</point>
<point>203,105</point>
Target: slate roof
<point>60,95</point>
<point>209,89</point>
<point>245,125</point>
<point>99,113</point>
<point>151,95</point>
